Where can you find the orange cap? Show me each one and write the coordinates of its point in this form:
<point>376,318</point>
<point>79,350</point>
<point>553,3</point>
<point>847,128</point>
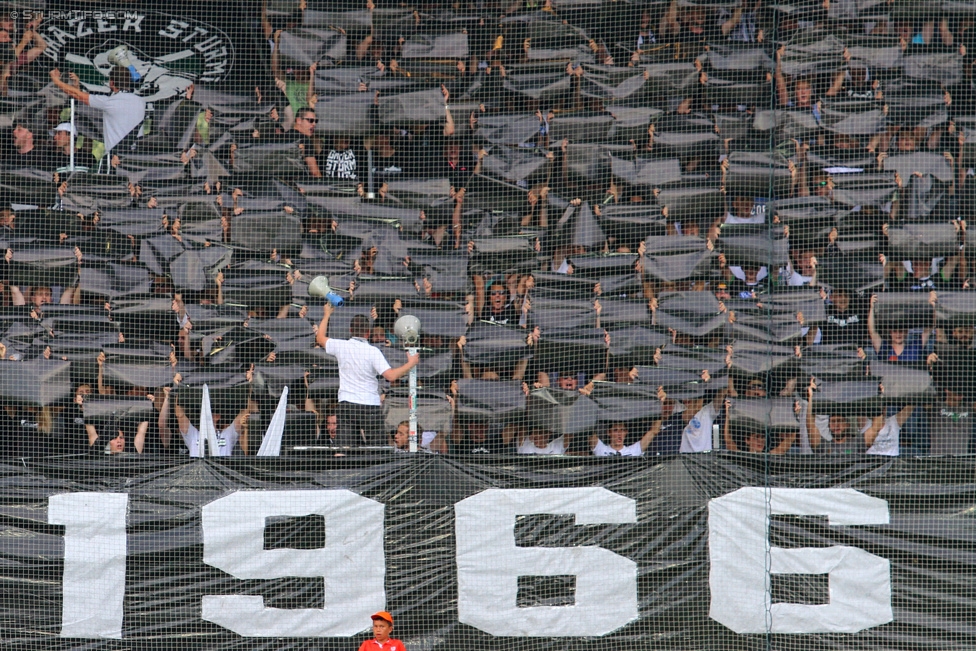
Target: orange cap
<point>385,616</point>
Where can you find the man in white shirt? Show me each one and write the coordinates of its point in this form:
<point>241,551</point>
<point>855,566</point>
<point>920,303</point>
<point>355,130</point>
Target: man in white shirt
<point>122,111</point>
<point>360,412</point>
<point>430,441</point>
<point>698,417</point>
<point>882,435</point>
<point>227,438</point>
<point>744,210</point>
<point>540,441</point>
<point>617,435</point>
<point>878,435</point>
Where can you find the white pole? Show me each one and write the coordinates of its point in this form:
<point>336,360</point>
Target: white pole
<point>413,403</point>
<point>71,163</point>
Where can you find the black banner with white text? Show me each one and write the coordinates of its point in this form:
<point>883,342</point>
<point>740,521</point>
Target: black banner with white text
<point>711,551</point>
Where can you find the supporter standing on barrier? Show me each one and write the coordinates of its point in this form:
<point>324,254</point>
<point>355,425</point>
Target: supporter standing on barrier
<point>122,111</point>
<point>382,627</point>
<point>360,414</point>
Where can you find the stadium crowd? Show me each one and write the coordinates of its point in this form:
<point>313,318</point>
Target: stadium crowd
<point>627,229</point>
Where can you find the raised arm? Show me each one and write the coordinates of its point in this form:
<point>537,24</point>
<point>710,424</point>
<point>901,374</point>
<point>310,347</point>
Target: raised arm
<point>465,364</point>
<point>872,432</point>
<point>731,388</point>
<point>945,33</point>
<point>838,83</point>
<point>782,92</point>
<point>70,91</point>
<point>362,48</point>
<point>514,432</point>
<point>449,119</point>
<point>876,340</point>
<point>219,280</point>
<point>92,434</point>
<point>813,434</point>
<point>266,27</point>
<point>961,173</point>
<point>321,337</point>
<point>275,65</point>
<point>727,430</point>
<point>72,295</point>
<point>903,415</point>
<point>140,442</point>
<point>482,152</point>
<point>720,395</point>
<point>164,434</point>
<point>184,337</point>
<point>181,419</point>
<point>930,328</point>
<point>245,412</point>
<point>102,389</point>
<point>730,24</point>
<point>544,207</point>
<point>311,83</point>
<point>457,224</point>
<point>309,403</point>
<point>650,434</point>
<point>785,444</point>
<point>16,296</point>
<point>669,21</point>
<point>31,34</point>
<point>564,147</point>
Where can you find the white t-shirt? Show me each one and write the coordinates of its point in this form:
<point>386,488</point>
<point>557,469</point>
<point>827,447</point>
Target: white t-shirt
<point>226,440</point>
<point>556,446</point>
<point>886,442</point>
<point>697,435</point>
<point>121,113</point>
<point>740,273</point>
<point>562,268</point>
<point>797,279</point>
<point>601,449</point>
<point>359,365</point>
<point>822,423</point>
<point>751,219</point>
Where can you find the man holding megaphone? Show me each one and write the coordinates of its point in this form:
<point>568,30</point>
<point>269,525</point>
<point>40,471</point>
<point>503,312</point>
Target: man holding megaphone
<point>360,413</point>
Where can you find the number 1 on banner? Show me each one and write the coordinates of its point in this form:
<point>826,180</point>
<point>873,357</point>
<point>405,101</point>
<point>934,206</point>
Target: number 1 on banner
<point>94,562</point>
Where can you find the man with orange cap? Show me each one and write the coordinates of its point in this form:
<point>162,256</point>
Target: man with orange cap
<point>382,627</point>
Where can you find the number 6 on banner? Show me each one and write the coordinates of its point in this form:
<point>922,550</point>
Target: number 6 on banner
<point>351,564</point>
<point>738,536</point>
<point>490,563</point>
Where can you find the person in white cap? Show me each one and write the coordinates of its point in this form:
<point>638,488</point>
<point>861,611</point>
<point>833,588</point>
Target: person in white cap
<point>62,148</point>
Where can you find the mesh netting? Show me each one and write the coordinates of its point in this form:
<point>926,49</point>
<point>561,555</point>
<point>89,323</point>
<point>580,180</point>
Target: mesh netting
<point>327,231</point>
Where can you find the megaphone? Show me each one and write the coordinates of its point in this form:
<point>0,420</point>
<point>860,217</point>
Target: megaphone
<point>320,288</point>
<point>407,330</point>
<point>119,56</point>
